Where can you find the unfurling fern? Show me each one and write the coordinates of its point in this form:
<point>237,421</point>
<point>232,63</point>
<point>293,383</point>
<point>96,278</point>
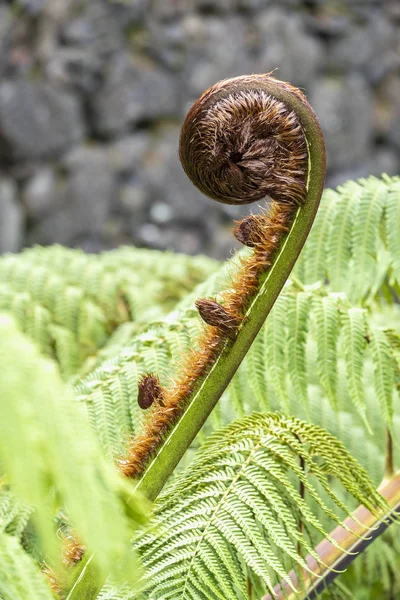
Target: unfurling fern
<point>146,357</point>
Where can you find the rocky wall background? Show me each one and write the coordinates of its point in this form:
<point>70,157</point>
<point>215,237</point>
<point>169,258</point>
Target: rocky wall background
<point>92,93</point>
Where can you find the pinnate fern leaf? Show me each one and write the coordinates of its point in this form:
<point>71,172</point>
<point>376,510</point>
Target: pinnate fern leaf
<point>20,577</point>
<point>50,457</point>
<point>235,512</point>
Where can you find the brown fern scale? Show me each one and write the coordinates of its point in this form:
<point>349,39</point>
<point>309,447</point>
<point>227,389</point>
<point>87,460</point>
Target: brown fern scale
<point>238,144</point>
<point>149,391</point>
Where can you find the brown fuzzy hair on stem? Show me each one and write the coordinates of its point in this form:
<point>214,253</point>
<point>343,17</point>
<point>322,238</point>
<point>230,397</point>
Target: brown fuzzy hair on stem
<point>238,144</point>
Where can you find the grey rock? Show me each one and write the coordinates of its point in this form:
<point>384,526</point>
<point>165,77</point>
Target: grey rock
<point>95,28</point>
<point>132,93</point>
<point>209,6</point>
<point>37,120</point>
<point>364,46</point>
<point>166,10</point>
<point>40,194</point>
<point>166,181</point>
<point>344,108</point>
<point>217,48</point>
<point>164,42</point>
<point>287,46</point>
<point>134,198</point>
<point>11,222</point>
<point>387,110</point>
<point>383,161</point>
<point>5,22</point>
<point>190,240</point>
<point>75,67</point>
<point>33,7</point>
<point>88,193</point>
<point>128,153</point>
<point>251,5</point>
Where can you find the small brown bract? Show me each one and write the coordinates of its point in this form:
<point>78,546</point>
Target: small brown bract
<point>149,390</point>
<point>217,316</point>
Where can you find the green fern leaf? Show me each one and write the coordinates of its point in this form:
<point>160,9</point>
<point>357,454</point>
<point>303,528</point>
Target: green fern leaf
<point>238,501</point>
<point>354,340</point>
<point>365,236</point>
<point>393,225</point>
<point>338,247</point>
<point>49,455</point>
<point>327,330</point>
<point>20,578</point>
<point>297,319</point>
<point>383,372</point>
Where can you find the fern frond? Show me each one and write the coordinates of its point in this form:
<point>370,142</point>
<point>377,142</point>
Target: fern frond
<point>392,223</point>
<point>339,241</point>
<point>50,457</point>
<point>365,237</point>
<point>275,348</point>
<point>327,330</point>
<point>383,372</point>
<point>354,340</point>
<point>239,502</point>
<point>354,241</point>
<point>20,578</point>
<point>69,302</point>
<point>297,326</point>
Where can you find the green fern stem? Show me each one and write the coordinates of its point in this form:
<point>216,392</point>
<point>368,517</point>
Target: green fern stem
<point>218,377</point>
<point>211,386</point>
<point>362,532</point>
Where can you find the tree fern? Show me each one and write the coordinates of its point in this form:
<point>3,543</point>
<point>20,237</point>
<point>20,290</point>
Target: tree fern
<point>263,490</point>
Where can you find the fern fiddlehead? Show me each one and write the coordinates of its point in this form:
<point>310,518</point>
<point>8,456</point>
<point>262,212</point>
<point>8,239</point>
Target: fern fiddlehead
<point>244,139</point>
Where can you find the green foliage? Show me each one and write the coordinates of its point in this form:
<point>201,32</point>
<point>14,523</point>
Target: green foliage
<point>234,514</point>
<point>69,302</point>
<point>19,576</point>
<point>353,244</point>
<point>51,459</point>
<point>329,355</point>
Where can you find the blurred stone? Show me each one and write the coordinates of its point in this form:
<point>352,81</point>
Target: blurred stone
<point>33,7</point>
<point>5,22</point>
<point>132,93</point>
<point>164,177</point>
<point>12,220</point>
<point>127,154</point>
<point>39,194</point>
<point>166,10</point>
<point>210,6</point>
<point>191,240</point>
<point>387,110</point>
<point>217,48</point>
<point>344,108</point>
<point>134,197</point>
<point>364,45</point>
<point>37,120</point>
<point>87,196</point>
<point>285,45</point>
<point>383,161</point>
